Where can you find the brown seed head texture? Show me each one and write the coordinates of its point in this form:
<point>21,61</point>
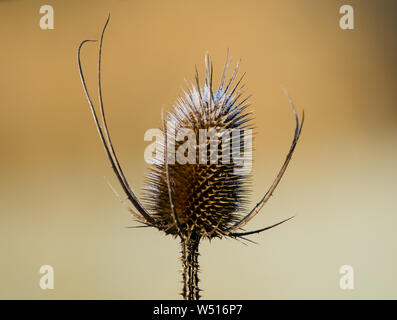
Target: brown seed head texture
<point>207,196</point>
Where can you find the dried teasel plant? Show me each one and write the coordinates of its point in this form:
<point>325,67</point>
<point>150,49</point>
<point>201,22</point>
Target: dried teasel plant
<point>194,201</point>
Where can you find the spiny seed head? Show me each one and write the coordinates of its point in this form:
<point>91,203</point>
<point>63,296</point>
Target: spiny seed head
<point>200,195</point>
<point>208,192</point>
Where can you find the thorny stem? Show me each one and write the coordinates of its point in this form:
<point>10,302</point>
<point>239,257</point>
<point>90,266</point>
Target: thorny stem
<point>190,253</point>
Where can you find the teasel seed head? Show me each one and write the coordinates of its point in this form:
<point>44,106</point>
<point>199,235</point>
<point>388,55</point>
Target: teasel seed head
<point>208,193</point>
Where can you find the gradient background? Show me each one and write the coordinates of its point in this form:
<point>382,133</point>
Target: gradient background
<point>56,208</point>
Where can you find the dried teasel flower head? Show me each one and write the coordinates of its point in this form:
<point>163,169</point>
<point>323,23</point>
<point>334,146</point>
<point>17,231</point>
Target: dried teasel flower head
<point>208,136</point>
<point>198,184</point>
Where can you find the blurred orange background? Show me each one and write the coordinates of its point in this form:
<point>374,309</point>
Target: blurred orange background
<point>56,208</point>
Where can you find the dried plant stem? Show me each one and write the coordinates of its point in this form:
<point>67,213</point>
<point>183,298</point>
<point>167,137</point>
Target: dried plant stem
<point>190,253</point>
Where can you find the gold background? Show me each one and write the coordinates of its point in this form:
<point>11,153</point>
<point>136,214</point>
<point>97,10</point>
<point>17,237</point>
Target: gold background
<point>57,209</point>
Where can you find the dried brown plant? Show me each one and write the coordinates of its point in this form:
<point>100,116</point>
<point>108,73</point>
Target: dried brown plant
<point>197,200</point>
